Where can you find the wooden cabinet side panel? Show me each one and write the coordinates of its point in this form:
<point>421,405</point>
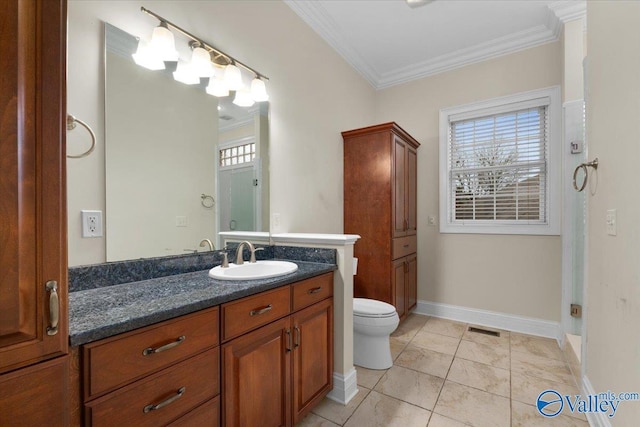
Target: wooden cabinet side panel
<point>256,378</point>
<point>312,357</point>
<point>367,210</point>
<point>36,395</point>
<point>32,183</point>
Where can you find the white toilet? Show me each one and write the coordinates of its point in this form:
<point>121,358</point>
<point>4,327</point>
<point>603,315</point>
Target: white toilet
<point>373,322</point>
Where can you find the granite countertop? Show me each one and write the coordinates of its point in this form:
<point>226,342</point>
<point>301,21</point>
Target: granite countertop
<point>106,311</point>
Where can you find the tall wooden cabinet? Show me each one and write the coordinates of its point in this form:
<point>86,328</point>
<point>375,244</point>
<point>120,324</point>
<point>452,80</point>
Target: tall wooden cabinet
<point>380,193</point>
<point>33,254</point>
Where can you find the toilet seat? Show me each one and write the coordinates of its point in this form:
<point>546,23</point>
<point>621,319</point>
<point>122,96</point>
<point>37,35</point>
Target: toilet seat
<point>364,307</point>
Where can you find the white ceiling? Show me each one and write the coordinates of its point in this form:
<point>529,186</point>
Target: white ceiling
<point>389,42</point>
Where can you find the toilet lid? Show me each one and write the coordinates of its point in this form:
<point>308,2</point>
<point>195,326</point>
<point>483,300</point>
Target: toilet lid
<point>372,308</point>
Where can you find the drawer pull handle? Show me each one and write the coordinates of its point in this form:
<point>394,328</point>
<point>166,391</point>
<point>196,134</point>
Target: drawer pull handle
<point>162,404</point>
<point>259,311</point>
<point>151,350</point>
<point>314,290</point>
<point>54,307</point>
<point>296,343</point>
<point>405,246</point>
<point>288,343</point>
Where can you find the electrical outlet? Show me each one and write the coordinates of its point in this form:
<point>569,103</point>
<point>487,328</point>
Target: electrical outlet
<point>91,223</point>
<point>181,221</point>
<point>276,222</point>
<point>431,220</point>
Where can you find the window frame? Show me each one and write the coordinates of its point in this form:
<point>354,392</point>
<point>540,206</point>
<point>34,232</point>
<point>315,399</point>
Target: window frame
<point>553,179</point>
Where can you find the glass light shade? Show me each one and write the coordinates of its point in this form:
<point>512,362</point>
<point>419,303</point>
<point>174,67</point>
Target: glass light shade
<point>233,77</point>
<point>163,43</point>
<point>201,62</point>
<point>243,98</point>
<point>259,90</point>
<point>216,87</point>
<point>184,74</point>
<point>146,57</point>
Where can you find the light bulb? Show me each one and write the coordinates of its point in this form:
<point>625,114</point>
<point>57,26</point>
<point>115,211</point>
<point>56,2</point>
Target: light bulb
<point>243,98</point>
<point>233,77</point>
<point>259,90</point>
<point>201,62</point>
<point>184,74</point>
<point>145,57</point>
<point>216,87</point>
<point>163,43</point>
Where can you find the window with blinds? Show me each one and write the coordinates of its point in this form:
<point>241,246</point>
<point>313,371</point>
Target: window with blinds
<point>495,167</point>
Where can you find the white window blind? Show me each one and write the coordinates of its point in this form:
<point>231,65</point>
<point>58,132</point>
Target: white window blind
<point>497,167</point>
<point>500,165</point>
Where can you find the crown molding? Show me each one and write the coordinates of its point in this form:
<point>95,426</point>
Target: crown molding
<point>318,19</point>
<point>501,46</point>
<point>569,10</point>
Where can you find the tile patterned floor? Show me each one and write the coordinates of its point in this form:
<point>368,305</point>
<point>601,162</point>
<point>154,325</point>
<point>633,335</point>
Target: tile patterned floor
<point>446,376</point>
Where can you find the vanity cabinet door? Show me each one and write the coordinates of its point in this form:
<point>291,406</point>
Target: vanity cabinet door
<point>412,282</point>
<point>32,186</point>
<point>312,356</point>
<point>398,284</point>
<point>257,377</point>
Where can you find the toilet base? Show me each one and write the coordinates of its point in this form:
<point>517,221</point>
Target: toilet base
<point>372,352</point>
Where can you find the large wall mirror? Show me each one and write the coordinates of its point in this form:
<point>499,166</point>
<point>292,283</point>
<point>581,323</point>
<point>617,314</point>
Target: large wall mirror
<point>181,165</point>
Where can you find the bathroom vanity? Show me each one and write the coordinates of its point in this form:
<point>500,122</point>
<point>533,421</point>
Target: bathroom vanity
<point>256,352</point>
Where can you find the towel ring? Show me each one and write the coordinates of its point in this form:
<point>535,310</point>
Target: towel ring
<point>71,124</point>
<point>207,201</point>
<point>584,166</point>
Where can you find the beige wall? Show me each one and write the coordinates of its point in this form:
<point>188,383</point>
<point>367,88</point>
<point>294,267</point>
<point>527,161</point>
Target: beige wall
<point>509,274</point>
<point>314,94</point>
<point>613,283</point>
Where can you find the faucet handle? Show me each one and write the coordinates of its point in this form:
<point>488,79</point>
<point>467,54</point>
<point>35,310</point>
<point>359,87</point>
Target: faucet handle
<point>253,254</point>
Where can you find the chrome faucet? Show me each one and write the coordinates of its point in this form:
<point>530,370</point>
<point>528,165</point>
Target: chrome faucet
<point>207,242</point>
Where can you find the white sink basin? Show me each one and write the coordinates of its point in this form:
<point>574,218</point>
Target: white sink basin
<point>251,271</point>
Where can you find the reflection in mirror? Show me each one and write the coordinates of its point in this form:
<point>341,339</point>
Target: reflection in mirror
<point>181,165</point>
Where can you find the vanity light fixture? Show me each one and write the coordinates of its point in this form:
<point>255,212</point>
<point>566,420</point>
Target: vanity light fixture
<point>223,71</point>
<point>163,44</point>
<point>243,98</point>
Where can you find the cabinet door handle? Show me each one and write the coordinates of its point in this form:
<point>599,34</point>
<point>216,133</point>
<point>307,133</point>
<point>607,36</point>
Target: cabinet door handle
<point>155,407</point>
<point>314,290</point>
<point>151,350</point>
<point>406,267</point>
<point>54,307</point>
<point>258,311</point>
<point>288,343</point>
<point>296,343</point>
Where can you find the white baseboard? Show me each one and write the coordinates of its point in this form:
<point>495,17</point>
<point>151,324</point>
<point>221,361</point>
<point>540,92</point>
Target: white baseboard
<point>596,419</point>
<point>493,319</point>
<point>345,387</point>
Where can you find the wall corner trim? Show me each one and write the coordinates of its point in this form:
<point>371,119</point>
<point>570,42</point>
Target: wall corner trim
<point>595,419</point>
<point>345,387</point>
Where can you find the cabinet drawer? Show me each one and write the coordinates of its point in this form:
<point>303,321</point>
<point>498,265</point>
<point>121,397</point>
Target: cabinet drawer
<point>251,312</point>
<point>312,290</point>
<point>403,246</point>
<point>113,362</point>
<point>207,414</point>
<point>174,391</point>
